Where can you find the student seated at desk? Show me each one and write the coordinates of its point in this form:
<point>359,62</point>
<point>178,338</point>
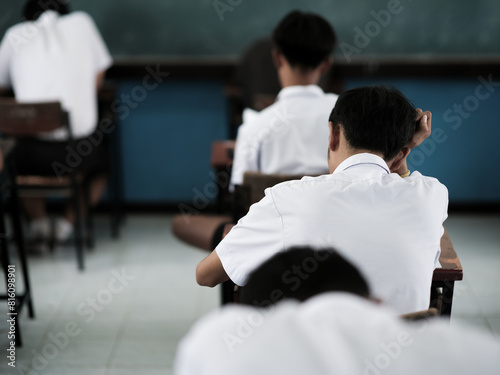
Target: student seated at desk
<point>290,136</point>
<point>319,319</point>
<point>54,55</point>
<point>390,227</point>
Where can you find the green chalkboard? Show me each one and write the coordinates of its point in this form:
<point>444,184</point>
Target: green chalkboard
<point>224,28</point>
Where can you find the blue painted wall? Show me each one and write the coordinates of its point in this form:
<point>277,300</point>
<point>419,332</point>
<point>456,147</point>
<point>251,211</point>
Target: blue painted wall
<point>166,139</point>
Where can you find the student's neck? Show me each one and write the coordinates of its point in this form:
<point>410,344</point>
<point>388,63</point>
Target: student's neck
<point>295,77</point>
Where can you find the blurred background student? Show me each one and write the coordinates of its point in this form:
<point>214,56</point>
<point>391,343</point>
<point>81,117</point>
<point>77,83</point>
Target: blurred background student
<point>55,55</point>
<point>290,135</point>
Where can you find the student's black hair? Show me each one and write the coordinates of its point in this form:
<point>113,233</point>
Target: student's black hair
<point>304,39</point>
<point>300,273</point>
<point>375,118</point>
<point>34,8</point>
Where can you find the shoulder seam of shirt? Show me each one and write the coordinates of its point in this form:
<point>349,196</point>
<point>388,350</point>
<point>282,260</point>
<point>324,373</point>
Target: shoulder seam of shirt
<point>281,219</point>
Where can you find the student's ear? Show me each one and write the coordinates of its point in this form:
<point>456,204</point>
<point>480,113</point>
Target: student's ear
<point>399,159</point>
<point>325,66</point>
<point>333,144</point>
<point>277,58</point>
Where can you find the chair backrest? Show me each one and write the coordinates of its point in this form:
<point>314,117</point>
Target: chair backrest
<point>28,119</point>
<point>258,182</point>
<point>252,190</point>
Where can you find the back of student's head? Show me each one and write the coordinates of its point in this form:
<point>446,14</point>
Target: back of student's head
<point>304,39</point>
<point>300,273</point>
<point>34,8</point>
<point>376,118</point>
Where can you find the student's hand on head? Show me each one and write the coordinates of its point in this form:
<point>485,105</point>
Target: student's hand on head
<point>421,134</point>
<point>423,128</point>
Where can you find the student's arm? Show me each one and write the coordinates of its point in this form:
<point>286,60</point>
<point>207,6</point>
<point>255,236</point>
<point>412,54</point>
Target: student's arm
<point>256,237</point>
<point>210,272</point>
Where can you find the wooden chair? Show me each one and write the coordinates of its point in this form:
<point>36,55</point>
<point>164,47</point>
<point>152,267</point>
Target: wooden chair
<point>19,120</point>
<point>252,190</point>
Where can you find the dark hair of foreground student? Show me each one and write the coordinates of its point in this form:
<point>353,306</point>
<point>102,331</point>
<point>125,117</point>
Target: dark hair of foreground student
<point>301,273</point>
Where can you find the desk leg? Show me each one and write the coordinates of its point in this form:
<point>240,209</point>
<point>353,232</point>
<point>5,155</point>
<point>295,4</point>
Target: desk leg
<point>448,287</point>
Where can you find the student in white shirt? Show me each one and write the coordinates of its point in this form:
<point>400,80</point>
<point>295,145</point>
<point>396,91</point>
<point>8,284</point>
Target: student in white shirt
<point>389,227</point>
<point>319,319</point>
<point>54,55</point>
<point>289,136</point>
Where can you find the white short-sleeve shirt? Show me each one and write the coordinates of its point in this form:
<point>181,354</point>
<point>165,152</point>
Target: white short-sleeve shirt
<point>289,137</point>
<point>389,227</point>
<point>332,333</point>
<point>56,58</point>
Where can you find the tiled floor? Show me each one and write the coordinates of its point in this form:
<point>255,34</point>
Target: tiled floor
<point>137,297</point>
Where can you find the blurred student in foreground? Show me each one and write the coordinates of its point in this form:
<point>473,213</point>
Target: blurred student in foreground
<point>319,319</point>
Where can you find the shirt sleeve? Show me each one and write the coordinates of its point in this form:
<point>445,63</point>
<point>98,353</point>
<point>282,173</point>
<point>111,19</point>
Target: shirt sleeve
<point>256,238</point>
<point>102,58</point>
<point>246,155</point>
<point>5,56</point>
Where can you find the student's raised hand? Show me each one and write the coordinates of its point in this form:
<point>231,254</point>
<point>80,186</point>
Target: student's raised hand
<point>423,128</point>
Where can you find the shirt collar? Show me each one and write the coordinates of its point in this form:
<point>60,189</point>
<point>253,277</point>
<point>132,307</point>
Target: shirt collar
<point>362,159</point>
<point>300,90</point>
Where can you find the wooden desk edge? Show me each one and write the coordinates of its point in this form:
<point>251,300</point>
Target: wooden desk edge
<point>451,268</point>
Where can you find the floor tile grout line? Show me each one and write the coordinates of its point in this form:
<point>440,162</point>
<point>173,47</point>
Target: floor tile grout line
<point>124,322</point>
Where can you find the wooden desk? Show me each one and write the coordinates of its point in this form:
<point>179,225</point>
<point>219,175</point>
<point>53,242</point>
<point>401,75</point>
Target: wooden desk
<point>451,270</point>
<point>444,277</point>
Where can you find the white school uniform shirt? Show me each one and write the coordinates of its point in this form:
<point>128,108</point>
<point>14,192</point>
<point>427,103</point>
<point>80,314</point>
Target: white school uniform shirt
<point>332,333</point>
<point>288,137</point>
<point>56,58</point>
<point>387,226</point>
